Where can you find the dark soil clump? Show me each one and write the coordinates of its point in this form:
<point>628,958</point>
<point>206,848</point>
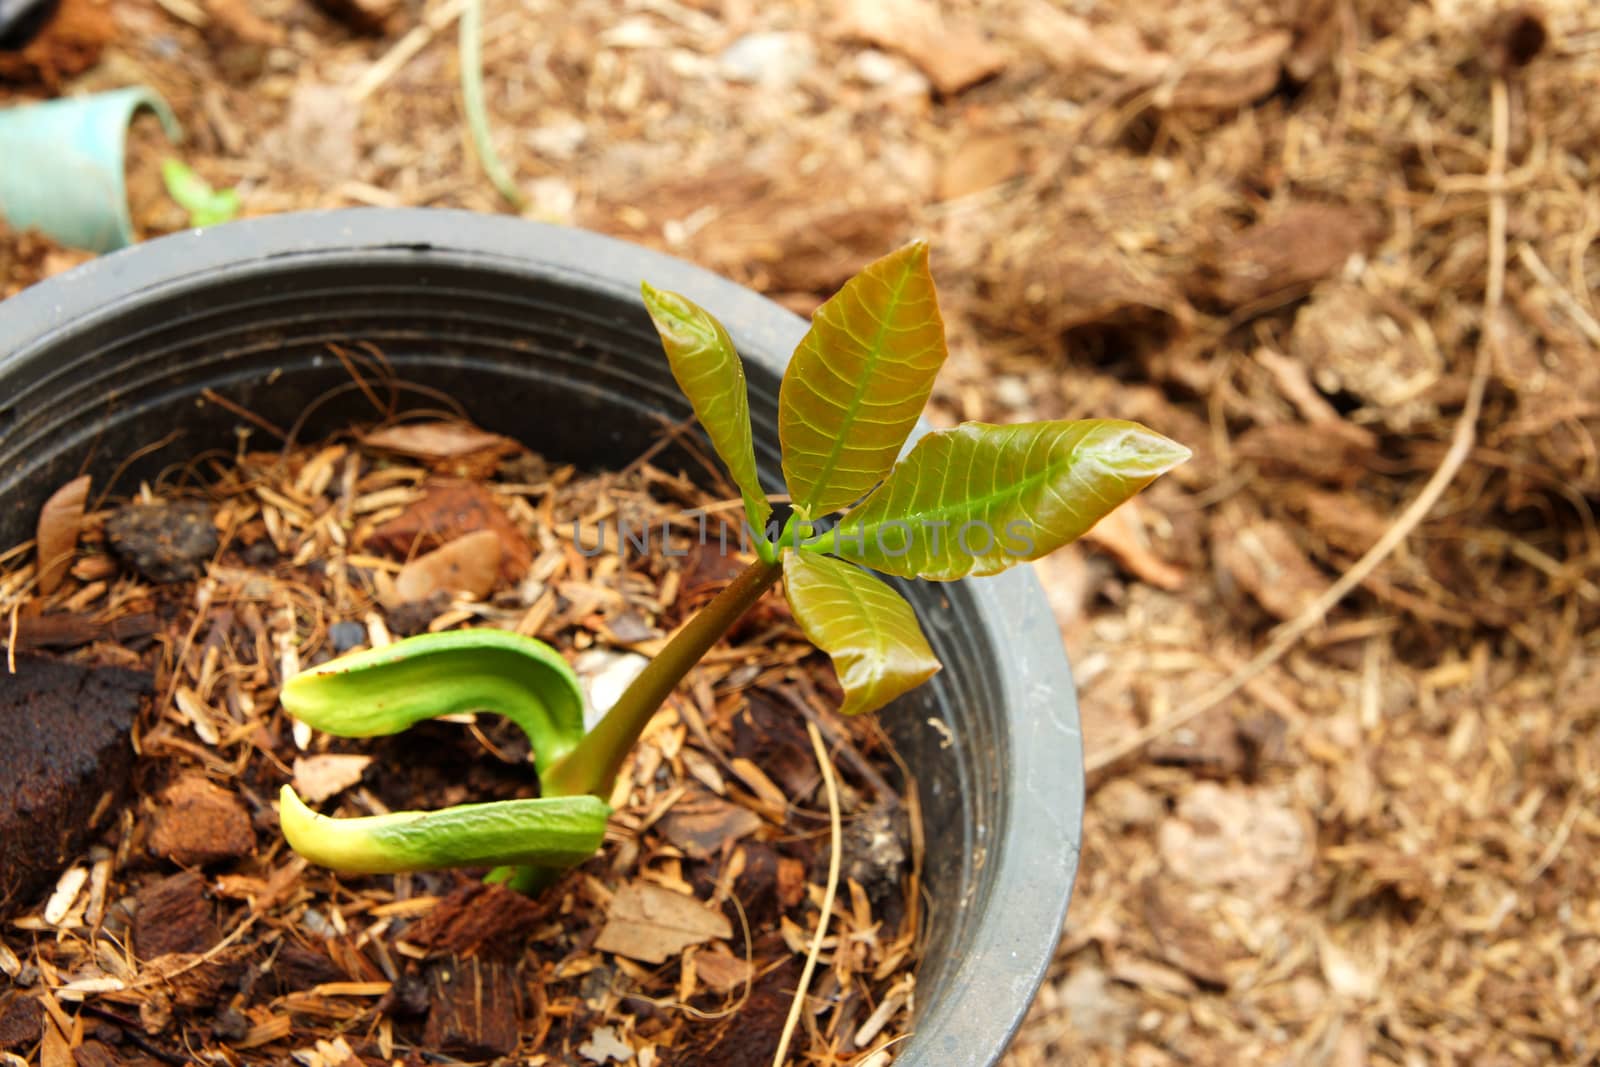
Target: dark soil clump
<point>64,731</point>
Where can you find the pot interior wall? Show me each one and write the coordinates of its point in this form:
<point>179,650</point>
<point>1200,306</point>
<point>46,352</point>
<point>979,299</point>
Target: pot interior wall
<point>574,373</point>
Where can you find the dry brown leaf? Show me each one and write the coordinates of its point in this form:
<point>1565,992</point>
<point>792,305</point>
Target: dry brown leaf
<point>1232,75</point>
<point>819,250</point>
<point>1208,746</point>
<point>316,778</point>
<point>1075,44</point>
<point>1122,534</point>
<point>652,924</point>
<point>1229,74</point>
<point>1282,255</point>
<point>702,824</point>
<point>1188,930</point>
<point>1101,1012</point>
<point>448,510</point>
<point>1263,559</point>
<point>59,521</point>
<point>952,52</point>
<point>1341,520</point>
<point>434,440</point>
<point>1337,453</point>
<point>979,163</point>
<point>777,237</point>
<point>1252,840</point>
<point>1077,278</point>
<point>466,565</point>
<point>319,134</point>
<point>721,971</point>
<point>704,770</point>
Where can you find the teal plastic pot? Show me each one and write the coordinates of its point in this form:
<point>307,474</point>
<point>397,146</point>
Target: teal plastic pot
<point>65,166</point>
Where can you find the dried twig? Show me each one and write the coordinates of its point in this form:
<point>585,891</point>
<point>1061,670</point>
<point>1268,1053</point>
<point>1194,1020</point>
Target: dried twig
<point>240,411</point>
<point>404,49</point>
<point>471,59</point>
<point>1461,444</point>
<point>835,846</point>
<point>132,458</point>
<point>1580,315</point>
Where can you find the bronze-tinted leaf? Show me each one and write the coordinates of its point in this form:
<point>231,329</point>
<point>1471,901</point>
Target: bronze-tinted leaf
<point>978,499</point>
<point>709,372</point>
<point>57,535</point>
<point>866,627</point>
<point>858,381</point>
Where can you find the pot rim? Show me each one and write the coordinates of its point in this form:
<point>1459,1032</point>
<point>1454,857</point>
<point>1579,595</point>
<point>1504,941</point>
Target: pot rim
<point>1026,877</point>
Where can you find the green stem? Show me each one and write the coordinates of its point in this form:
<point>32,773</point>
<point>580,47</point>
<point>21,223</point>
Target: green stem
<point>592,766</point>
<point>529,881</point>
<point>471,59</point>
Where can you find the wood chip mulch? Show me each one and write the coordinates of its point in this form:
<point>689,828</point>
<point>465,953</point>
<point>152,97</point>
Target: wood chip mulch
<point>1261,227</point>
<point>187,931</point>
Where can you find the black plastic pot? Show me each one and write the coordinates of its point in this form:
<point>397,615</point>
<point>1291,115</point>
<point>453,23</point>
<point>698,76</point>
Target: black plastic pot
<point>539,332</point>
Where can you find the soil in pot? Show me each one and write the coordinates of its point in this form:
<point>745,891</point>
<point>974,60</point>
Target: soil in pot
<point>187,930</point>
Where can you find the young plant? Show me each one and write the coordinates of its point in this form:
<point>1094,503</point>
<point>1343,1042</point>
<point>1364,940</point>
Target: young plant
<point>206,206</point>
<point>966,502</point>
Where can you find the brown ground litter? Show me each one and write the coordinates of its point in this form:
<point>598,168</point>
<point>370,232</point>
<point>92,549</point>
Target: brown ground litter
<point>1264,228</point>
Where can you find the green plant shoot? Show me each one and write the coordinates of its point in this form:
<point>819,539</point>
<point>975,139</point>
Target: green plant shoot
<point>965,502</point>
<point>206,206</point>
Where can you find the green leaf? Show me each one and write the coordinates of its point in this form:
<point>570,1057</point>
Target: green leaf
<point>192,193</point>
<point>858,381</point>
<point>977,499</point>
<point>541,832</point>
<point>385,690</point>
<point>709,372</point>
<point>866,627</point>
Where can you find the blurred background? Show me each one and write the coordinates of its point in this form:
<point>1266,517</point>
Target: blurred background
<point>1339,674</point>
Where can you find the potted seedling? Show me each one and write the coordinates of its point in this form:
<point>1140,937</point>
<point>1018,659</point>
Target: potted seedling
<point>540,334</point>
<point>965,502</point>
